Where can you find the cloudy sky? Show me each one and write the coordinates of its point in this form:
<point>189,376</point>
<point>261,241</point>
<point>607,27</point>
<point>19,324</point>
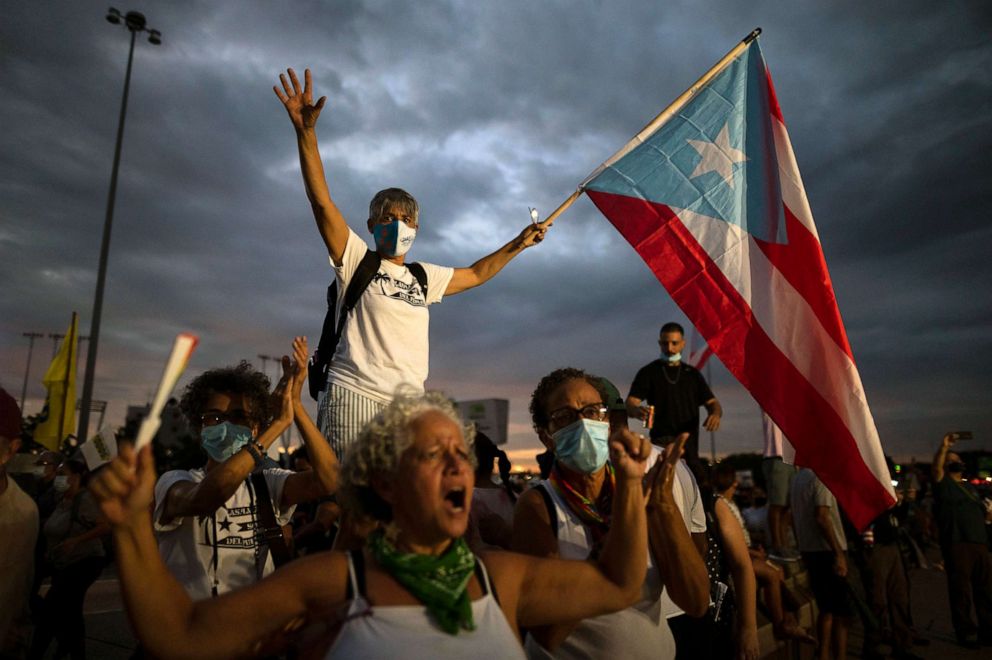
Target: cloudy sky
<point>482,109</point>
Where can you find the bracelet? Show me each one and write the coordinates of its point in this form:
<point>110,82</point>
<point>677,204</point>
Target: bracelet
<point>257,452</point>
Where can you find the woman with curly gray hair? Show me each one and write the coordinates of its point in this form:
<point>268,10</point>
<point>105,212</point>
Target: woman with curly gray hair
<point>416,589</point>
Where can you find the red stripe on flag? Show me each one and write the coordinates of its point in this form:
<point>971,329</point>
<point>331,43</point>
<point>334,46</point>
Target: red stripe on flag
<point>803,265</point>
<point>714,306</point>
<point>773,105</point>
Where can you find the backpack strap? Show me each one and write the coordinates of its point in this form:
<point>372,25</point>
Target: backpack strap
<point>421,275</point>
<point>330,333</point>
<point>552,509</point>
<point>269,529</point>
<point>367,268</point>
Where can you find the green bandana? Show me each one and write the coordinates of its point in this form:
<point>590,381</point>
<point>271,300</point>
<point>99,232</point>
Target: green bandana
<point>440,583</point>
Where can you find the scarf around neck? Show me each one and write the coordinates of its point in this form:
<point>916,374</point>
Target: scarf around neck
<point>595,514</point>
<point>440,583</point>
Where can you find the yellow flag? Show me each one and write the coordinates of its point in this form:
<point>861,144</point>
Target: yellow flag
<point>58,418</point>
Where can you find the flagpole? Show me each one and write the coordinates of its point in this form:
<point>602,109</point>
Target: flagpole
<point>660,119</point>
<point>675,105</point>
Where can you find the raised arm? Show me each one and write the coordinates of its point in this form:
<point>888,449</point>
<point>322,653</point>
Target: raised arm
<point>186,498</point>
<point>166,621</point>
<point>937,469</point>
<point>323,478</point>
<point>485,268</point>
<point>551,591</point>
<point>678,559</point>
<point>303,112</point>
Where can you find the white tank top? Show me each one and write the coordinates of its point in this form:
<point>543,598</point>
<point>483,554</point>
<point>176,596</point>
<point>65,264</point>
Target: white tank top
<point>640,631</point>
<point>408,631</point>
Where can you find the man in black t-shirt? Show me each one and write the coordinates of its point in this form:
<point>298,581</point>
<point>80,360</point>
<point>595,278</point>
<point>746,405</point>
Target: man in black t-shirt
<point>676,391</point>
<point>964,542</point>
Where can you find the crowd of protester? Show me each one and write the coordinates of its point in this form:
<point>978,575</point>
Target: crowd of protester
<point>398,530</point>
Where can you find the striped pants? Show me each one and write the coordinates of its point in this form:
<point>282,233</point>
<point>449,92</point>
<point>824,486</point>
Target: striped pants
<point>342,414</point>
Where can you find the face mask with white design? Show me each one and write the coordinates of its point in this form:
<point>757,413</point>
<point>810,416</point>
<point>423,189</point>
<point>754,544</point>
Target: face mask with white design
<point>393,239</point>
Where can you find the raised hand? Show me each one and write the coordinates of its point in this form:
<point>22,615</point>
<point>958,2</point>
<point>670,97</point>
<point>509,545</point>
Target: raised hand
<point>629,453</point>
<point>531,235</point>
<point>298,367</point>
<point>281,399</point>
<point>303,112</point>
<point>662,475</point>
<point>125,488</point>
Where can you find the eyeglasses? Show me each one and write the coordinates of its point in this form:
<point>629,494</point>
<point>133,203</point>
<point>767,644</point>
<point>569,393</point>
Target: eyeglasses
<point>567,415</point>
<point>214,417</point>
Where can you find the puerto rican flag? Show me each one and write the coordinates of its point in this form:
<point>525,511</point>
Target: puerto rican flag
<point>712,200</point>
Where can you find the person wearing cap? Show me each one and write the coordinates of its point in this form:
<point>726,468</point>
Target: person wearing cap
<point>18,529</point>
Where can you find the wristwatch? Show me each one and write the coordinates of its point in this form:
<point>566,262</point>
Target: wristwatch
<point>257,451</point>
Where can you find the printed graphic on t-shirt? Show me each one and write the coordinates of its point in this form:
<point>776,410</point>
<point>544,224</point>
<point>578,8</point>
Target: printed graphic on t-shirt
<point>235,528</point>
<point>397,290</point>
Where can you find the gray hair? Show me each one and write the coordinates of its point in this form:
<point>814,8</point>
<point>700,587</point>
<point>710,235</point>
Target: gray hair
<point>386,198</point>
<point>381,444</point>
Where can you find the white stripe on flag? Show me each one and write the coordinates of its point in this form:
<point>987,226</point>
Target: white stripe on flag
<point>790,323</point>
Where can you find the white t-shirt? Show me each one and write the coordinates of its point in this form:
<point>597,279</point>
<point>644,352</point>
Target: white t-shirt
<point>189,545</point>
<point>808,493</point>
<point>776,444</point>
<point>384,343</point>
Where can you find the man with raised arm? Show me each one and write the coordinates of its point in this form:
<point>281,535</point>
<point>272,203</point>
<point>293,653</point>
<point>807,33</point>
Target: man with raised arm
<point>962,520</point>
<point>384,341</point>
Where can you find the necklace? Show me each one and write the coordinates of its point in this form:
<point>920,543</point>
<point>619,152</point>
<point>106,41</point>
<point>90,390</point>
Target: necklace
<point>678,373</point>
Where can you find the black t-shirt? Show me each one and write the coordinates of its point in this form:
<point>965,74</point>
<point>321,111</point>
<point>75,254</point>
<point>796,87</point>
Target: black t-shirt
<point>959,512</point>
<point>676,392</point>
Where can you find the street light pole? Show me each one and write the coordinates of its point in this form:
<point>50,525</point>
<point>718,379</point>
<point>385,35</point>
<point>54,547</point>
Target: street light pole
<point>135,22</point>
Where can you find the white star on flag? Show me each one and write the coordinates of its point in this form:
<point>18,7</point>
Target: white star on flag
<point>718,157</point>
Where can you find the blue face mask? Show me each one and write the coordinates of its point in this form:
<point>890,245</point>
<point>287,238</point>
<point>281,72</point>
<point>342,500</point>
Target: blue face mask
<point>583,445</point>
<point>671,359</point>
<point>221,441</point>
<point>394,239</point>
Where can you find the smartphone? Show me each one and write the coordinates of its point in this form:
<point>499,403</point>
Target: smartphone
<point>962,435</point>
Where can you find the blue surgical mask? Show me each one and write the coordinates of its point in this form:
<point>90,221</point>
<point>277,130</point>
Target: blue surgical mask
<point>61,483</point>
<point>393,239</point>
<point>221,441</point>
<point>671,359</point>
<point>583,445</point>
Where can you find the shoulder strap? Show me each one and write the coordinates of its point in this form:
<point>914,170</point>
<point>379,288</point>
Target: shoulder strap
<point>367,268</point>
<point>421,275</point>
<point>330,332</point>
<point>356,574</point>
<point>552,509</point>
<point>270,532</point>
<point>482,574</point>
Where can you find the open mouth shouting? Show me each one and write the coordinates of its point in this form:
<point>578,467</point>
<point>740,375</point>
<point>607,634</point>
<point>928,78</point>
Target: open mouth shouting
<point>455,499</point>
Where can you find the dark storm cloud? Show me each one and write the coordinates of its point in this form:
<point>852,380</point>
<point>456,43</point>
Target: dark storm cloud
<point>481,110</point>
